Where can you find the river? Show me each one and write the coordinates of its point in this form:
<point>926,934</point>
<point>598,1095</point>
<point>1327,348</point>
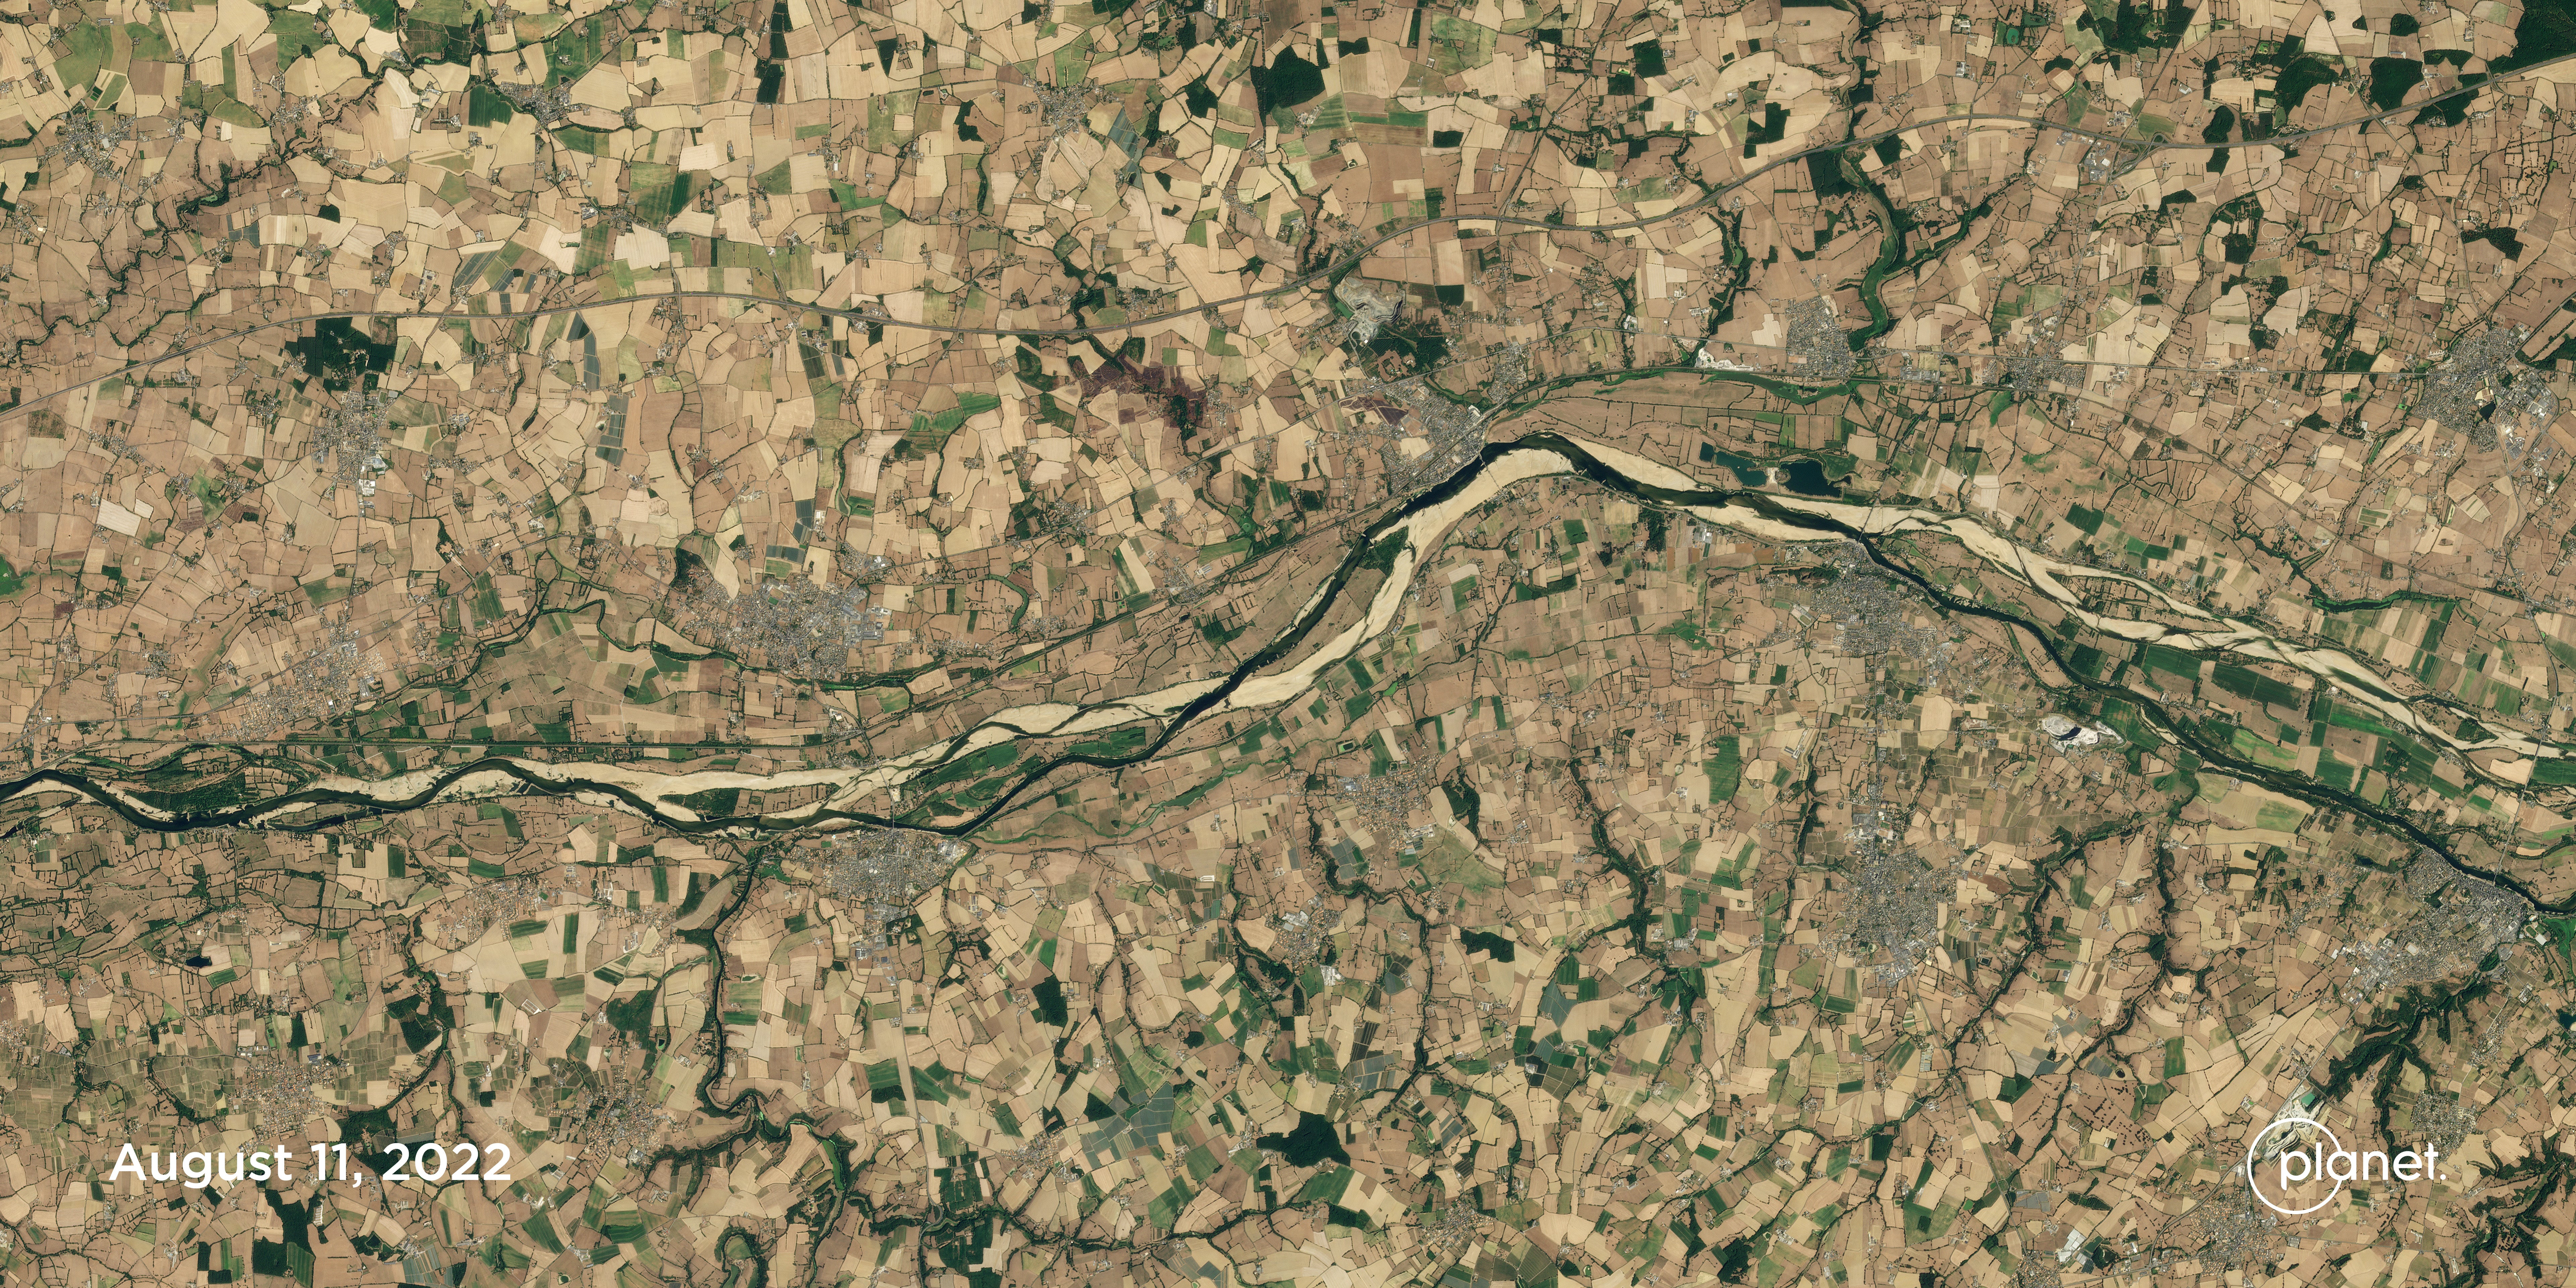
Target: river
<point>1274,678</point>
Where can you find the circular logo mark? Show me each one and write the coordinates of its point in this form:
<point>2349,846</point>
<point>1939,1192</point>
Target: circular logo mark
<point>2257,1143</point>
